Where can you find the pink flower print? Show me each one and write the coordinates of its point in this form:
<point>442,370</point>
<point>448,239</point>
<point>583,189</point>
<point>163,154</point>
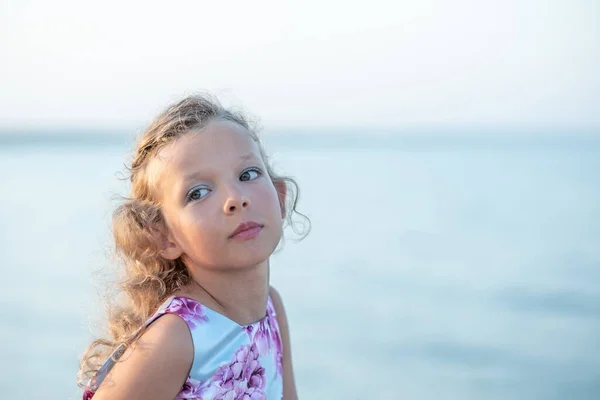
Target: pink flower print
<point>260,337</point>
<point>254,374</point>
<point>275,336</point>
<point>279,360</point>
<point>88,394</point>
<point>192,389</point>
<point>267,335</point>
<point>242,378</point>
<point>254,396</point>
<point>187,309</point>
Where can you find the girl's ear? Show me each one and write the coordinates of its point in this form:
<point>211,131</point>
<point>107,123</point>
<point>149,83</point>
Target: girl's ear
<point>169,249</point>
<point>281,188</point>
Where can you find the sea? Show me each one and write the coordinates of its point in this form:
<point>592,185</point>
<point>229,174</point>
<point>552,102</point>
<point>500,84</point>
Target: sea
<point>437,266</point>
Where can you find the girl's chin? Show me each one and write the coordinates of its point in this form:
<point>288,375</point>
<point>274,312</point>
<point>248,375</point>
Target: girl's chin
<point>239,255</point>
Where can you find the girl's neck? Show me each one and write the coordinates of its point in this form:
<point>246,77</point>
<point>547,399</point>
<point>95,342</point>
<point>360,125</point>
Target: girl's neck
<point>239,295</point>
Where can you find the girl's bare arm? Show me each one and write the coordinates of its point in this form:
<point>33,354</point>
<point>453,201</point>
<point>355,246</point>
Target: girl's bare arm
<point>155,367</point>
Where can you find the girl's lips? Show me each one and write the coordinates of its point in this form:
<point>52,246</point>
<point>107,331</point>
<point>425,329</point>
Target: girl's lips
<point>248,234</point>
<point>246,229</point>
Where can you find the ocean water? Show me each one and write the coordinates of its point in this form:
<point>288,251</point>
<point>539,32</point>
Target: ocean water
<point>434,270</point>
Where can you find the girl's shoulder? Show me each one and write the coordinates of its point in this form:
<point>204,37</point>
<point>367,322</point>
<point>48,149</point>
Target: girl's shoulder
<point>159,341</point>
<point>163,351</point>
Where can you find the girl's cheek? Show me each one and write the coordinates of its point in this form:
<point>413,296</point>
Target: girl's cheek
<point>268,192</point>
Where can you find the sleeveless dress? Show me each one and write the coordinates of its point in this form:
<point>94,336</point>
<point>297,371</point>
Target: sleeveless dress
<point>231,361</point>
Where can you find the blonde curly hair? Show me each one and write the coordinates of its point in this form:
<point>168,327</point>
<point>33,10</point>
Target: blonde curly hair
<point>147,278</point>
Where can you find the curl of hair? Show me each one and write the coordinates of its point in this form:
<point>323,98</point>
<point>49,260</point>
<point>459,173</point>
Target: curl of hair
<point>147,278</point>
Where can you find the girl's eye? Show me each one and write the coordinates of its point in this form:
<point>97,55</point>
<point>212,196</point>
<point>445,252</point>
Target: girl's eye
<point>196,194</point>
<point>250,174</point>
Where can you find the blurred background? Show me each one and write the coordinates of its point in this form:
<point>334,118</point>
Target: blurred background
<point>448,156</point>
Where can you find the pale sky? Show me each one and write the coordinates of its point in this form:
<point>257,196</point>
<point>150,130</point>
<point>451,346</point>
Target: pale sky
<point>310,63</point>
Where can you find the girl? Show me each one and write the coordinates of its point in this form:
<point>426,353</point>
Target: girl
<point>199,320</point>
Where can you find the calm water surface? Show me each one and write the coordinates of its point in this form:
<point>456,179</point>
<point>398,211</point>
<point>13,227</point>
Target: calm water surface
<point>431,272</point>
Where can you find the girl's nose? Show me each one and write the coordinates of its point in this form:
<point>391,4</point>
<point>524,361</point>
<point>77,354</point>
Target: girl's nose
<point>235,202</point>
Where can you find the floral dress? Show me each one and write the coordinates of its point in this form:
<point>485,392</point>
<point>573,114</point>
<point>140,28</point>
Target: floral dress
<point>231,361</point>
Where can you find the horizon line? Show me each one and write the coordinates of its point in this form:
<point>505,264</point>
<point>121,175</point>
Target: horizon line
<point>328,139</point>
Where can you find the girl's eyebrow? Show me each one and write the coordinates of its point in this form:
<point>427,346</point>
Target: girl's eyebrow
<point>248,157</point>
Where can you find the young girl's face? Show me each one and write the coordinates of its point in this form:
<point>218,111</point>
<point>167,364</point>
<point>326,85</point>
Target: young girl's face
<point>210,182</point>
